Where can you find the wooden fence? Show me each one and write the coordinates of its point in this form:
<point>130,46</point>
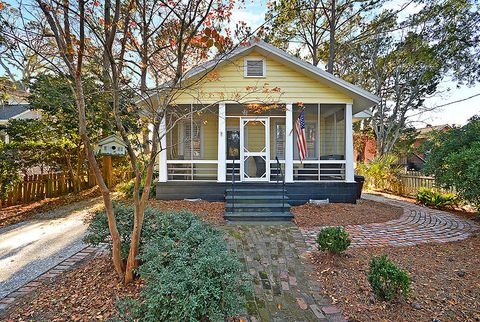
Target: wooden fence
<point>40,186</point>
<point>410,182</point>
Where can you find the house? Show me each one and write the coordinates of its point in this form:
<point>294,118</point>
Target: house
<point>239,143</point>
<point>16,108</point>
<point>415,160</point>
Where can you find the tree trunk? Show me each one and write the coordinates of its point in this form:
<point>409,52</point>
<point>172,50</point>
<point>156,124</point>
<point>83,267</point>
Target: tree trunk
<point>132,262</point>
<point>332,27</point>
<point>112,225</point>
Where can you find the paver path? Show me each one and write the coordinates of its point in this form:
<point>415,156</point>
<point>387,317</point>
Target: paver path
<point>282,277</point>
<point>417,225</point>
<point>30,248</point>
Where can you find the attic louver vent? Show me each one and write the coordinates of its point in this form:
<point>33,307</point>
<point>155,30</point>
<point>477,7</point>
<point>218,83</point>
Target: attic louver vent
<point>254,68</point>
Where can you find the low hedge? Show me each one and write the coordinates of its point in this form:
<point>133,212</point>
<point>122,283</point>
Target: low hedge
<point>189,273</point>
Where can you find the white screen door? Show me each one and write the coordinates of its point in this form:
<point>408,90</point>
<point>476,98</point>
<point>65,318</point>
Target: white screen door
<point>254,149</point>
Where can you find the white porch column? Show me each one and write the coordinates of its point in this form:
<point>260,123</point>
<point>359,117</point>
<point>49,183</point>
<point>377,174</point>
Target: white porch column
<point>289,143</point>
<point>162,157</point>
<point>349,168</point>
<point>222,144</point>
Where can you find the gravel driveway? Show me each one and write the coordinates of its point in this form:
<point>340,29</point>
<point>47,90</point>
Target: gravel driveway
<point>30,248</point>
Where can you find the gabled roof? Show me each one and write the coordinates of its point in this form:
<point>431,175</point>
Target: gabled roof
<point>362,99</point>
<point>10,111</point>
<point>114,138</point>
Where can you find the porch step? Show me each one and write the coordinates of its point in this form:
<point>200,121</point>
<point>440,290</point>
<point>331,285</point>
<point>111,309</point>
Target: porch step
<point>255,216</point>
<point>257,198</point>
<point>257,204</point>
<point>255,191</point>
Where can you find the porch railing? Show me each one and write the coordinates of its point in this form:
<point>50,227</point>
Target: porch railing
<point>188,170</point>
<point>319,170</point>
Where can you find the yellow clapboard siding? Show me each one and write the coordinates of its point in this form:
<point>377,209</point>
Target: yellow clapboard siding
<point>231,85</point>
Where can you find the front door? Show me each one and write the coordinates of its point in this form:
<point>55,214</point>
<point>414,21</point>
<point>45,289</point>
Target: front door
<point>254,149</point>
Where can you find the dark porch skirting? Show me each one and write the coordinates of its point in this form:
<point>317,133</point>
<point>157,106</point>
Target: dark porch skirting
<point>298,192</point>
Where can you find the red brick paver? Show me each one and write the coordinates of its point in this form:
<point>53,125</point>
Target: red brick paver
<point>417,225</point>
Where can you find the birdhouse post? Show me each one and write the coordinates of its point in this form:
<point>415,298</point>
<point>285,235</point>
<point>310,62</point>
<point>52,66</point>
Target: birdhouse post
<point>110,146</point>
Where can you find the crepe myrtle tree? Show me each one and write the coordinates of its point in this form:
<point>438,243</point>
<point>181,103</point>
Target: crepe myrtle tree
<point>174,37</point>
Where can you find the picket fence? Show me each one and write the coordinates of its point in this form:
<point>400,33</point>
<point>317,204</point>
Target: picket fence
<point>40,186</point>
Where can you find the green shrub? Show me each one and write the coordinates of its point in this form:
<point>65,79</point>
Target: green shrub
<point>381,172</point>
<point>126,188</point>
<point>333,239</point>
<point>452,157</point>
<point>435,199</point>
<point>188,271</point>
<point>387,280</point>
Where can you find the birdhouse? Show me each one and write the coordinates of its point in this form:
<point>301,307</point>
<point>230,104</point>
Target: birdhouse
<point>111,145</point>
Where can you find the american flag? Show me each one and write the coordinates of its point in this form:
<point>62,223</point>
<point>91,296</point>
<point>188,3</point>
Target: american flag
<point>301,139</point>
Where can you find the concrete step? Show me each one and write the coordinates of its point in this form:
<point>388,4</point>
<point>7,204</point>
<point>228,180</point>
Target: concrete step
<point>257,198</point>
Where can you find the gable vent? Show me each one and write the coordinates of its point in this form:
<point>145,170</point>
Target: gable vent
<point>254,68</point>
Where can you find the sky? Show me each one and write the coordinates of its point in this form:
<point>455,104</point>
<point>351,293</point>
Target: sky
<point>253,13</point>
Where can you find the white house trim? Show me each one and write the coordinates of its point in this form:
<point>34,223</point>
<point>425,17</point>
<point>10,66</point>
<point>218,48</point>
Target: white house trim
<point>289,143</point>
<point>162,156</point>
<point>222,144</point>
<point>349,166</point>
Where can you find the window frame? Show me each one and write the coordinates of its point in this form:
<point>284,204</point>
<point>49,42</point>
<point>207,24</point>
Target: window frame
<point>245,67</point>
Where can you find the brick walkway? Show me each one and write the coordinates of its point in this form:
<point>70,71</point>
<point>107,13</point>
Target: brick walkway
<point>283,283</point>
<point>52,273</point>
<point>417,225</point>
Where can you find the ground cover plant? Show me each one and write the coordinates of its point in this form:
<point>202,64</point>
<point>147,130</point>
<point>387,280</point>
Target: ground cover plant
<point>188,272</point>
<point>435,199</point>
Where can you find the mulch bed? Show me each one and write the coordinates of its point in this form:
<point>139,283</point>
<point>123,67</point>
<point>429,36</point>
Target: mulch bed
<point>209,211</point>
<point>445,282</point>
<point>14,214</point>
<point>465,211</point>
<point>342,214</point>
<point>87,293</point>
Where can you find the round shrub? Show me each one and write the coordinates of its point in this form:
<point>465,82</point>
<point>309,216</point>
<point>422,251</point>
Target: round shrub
<point>333,239</point>
<point>387,280</point>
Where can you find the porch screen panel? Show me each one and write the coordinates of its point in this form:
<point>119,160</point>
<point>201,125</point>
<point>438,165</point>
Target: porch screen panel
<point>192,139</point>
<point>277,138</point>
<point>311,130</point>
<point>332,138</point>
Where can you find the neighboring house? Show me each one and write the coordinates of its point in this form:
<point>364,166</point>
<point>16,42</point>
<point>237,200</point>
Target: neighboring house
<point>229,137</point>
<point>14,111</point>
<point>416,159</point>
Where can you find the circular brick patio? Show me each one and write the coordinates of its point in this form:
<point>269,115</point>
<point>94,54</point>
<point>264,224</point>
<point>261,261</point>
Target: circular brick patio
<point>417,225</point>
